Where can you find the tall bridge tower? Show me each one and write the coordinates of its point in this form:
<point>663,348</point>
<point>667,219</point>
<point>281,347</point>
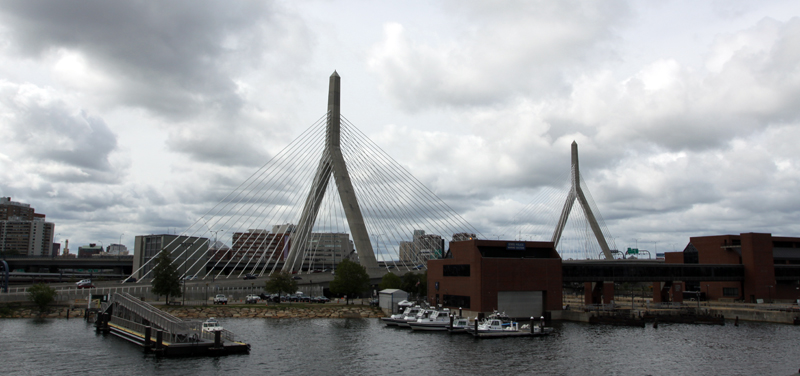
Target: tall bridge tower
<point>331,164</point>
<point>576,192</point>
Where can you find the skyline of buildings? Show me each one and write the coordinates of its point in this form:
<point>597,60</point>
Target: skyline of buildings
<point>23,231</point>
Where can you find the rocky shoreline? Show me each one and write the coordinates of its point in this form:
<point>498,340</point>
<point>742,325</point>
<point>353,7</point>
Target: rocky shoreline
<point>274,311</point>
<point>282,311</point>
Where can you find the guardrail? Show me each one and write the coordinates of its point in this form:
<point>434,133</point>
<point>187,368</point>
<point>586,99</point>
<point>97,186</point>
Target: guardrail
<point>153,315</point>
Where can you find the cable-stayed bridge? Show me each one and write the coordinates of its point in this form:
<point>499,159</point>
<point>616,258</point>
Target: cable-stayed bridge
<point>332,194</point>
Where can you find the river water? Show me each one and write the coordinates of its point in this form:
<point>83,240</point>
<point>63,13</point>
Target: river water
<point>367,347</point>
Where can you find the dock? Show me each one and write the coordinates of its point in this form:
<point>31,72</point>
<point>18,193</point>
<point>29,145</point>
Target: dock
<point>160,333</point>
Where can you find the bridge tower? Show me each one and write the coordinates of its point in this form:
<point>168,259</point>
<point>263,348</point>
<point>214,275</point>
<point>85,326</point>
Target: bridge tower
<point>331,164</point>
<point>576,192</point>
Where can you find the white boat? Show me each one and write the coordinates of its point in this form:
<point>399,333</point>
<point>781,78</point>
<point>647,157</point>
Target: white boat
<point>211,325</point>
<point>421,313</point>
<point>437,320</point>
<point>393,320</point>
<point>460,325</point>
<point>493,327</point>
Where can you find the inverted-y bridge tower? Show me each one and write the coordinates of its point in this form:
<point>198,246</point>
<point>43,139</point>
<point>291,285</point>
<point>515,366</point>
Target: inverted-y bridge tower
<point>331,164</point>
<point>576,192</point>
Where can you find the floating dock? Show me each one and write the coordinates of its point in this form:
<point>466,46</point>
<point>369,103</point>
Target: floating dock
<point>160,333</point>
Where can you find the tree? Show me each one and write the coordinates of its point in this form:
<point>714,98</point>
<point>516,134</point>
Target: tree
<point>351,279</point>
<point>42,295</point>
<point>390,281</point>
<point>410,283</point>
<point>166,280</point>
<point>281,282</point>
<point>422,289</point>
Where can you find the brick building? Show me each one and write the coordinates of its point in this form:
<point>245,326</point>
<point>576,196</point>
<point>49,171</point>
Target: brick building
<point>765,258</point>
<point>523,279</point>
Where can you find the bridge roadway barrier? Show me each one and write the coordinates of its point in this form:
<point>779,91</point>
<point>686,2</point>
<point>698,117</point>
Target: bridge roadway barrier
<point>194,293</point>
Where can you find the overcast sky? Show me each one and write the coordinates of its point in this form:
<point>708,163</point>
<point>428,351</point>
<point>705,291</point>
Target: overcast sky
<point>118,118</point>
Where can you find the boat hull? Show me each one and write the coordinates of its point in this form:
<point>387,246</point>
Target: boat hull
<point>429,326</point>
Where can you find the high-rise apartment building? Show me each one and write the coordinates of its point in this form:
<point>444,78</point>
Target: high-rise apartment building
<point>422,248</point>
<point>188,253</point>
<point>257,246</point>
<point>23,231</point>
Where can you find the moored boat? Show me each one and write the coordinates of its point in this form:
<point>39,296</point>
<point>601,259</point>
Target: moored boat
<point>422,313</point>
<point>211,325</point>
<point>460,325</point>
<point>397,318</point>
<point>438,320</point>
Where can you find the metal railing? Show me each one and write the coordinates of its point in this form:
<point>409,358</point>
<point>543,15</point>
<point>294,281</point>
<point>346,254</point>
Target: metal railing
<point>154,316</point>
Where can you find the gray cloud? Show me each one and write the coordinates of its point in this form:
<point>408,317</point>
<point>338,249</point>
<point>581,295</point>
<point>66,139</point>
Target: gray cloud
<point>507,49</point>
<point>64,144</point>
<point>175,59</point>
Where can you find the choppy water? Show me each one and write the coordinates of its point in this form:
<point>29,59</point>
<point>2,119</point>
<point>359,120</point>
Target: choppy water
<point>366,347</point>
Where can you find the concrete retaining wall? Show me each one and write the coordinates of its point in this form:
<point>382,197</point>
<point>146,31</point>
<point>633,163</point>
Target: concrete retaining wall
<point>753,315</point>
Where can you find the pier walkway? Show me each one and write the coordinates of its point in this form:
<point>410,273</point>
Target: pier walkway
<point>129,318</point>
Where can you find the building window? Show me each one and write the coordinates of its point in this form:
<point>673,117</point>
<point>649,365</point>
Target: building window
<point>730,291</point>
<point>455,301</point>
<point>455,270</point>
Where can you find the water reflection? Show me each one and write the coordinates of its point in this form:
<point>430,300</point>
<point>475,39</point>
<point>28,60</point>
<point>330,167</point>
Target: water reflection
<point>365,346</point>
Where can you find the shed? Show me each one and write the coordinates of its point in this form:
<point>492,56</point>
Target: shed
<point>388,299</point>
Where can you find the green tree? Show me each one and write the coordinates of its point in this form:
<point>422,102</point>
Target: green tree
<point>410,283</point>
<point>166,280</point>
<point>390,281</point>
<point>422,288</point>
<point>281,282</point>
<point>351,279</point>
<point>42,295</point>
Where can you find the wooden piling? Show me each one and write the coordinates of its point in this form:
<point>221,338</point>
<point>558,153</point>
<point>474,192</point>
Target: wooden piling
<point>159,342</point>
<point>147,333</point>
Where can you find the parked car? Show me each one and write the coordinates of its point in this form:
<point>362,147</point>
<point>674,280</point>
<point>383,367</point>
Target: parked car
<point>190,277</point>
<point>249,276</point>
<point>220,299</point>
<point>297,277</point>
<point>374,302</point>
<point>252,299</point>
<point>128,280</point>
<point>84,284</point>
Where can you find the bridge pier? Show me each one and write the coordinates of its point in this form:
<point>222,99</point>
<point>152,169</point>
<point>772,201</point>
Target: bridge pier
<point>665,292</point>
<point>598,292</point>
